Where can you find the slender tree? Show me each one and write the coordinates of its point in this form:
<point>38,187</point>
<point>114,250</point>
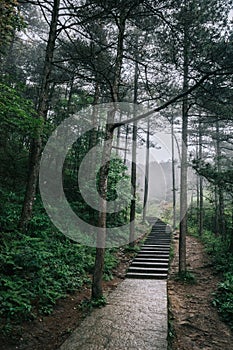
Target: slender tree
<point>146,183</point>
<point>42,110</point>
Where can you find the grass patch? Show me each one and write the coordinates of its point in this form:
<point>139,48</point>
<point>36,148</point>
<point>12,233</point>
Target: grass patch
<point>87,305</point>
<point>186,277</point>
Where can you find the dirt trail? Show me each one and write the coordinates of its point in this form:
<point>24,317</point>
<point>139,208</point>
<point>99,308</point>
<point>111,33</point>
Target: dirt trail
<point>196,323</point>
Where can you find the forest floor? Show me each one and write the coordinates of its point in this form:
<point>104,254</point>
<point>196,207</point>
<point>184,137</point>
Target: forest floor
<point>49,332</point>
<point>195,322</point>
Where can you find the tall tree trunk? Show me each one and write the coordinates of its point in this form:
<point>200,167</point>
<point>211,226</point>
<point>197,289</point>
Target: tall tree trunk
<point>216,214</point>
<point>184,165</point>
<point>93,142</point>
<point>94,121</point>
<point>146,184</point>
<point>119,58</point>
<point>70,94</point>
<point>134,155</point>
<point>173,177</point>
<point>126,143</point>
<point>220,185</point>
<point>231,238</point>
<point>97,287</point>
<point>198,197</point>
<point>118,139</point>
<point>42,109</point>
<point>133,186</point>
<point>201,208</point>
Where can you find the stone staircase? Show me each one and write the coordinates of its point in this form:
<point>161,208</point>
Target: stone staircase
<point>152,260</point>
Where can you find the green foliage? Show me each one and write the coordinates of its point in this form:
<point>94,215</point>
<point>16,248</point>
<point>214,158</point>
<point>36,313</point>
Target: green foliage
<point>10,20</point>
<point>223,299</point>
<point>210,171</point>
<point>18,123</point>
<point>223,263</point>
<point>16,112</point>
<point>187,277</point>
<point>100,302</point>
<point>41,266</point>
<point>132,249</point>
<point>87,305</point>
<point>209,214</point>
<point>10,208</point>
<point>118,190</point>
<point>167,212</point>
<point>36,271</point>
<point>218,249</point>
<point>110,263</point>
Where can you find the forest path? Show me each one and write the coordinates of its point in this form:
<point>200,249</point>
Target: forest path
<point>136,314</point>
<point>134,318</point>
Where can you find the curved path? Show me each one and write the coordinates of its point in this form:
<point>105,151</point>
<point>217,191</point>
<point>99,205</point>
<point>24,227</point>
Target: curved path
<point>135,318</point>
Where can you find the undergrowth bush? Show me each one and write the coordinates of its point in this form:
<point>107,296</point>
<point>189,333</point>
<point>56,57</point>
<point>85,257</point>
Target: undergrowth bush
<point>223,299</point>
<point>223,263</point>
<point>39,266</point>
<point>37,271</point>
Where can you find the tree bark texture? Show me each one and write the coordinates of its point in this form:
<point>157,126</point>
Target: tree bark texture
<point>184,165</point>
<point>42,109</point>
<point>97,286</point>
<point>173,177</point>
<point>201,208</point>
<point>146,183</point>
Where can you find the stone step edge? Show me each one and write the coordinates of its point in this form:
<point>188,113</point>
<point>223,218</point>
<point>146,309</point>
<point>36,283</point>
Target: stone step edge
<point>146,276</point>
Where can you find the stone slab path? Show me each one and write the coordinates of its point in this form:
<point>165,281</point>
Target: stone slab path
<point>135,318</point>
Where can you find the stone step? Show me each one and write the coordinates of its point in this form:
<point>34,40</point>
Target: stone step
<point>159,237</point>
<point>159,233</point>
<point>152,260</point>
<point>165,246</point>
<point>146,264</point>
<point>157,276</point>
<point>159,228</point>
<point>157,241</point>
<point>148,269</point>
<point>159,225</point>
<point>153,255</point>
<point>154,250</point>
<point>155,246</point>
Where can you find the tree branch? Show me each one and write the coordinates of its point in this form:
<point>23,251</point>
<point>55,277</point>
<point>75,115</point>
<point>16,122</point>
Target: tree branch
<point>171,101</point>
